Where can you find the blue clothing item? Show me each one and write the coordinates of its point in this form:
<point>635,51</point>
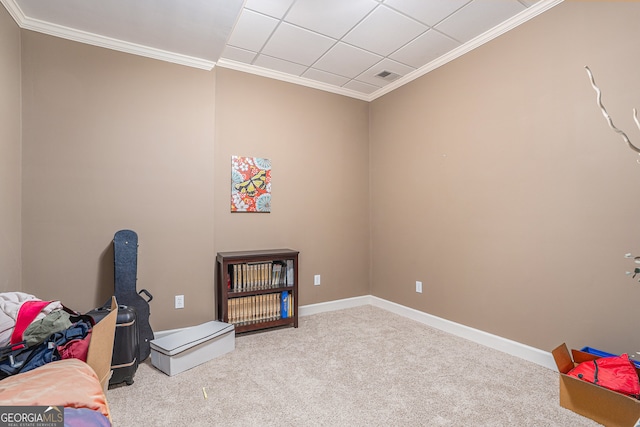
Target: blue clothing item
<point>33,357</point>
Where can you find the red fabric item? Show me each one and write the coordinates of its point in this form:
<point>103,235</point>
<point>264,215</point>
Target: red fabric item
<point>76,349</point>
<point>615,373</point>
<point>27,313</point>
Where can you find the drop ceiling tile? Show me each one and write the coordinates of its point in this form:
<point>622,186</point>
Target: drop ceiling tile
<point>428,12</point>
<point>346,60</point>
<point>332,18</point>
<point>424,49</point>
<point>361,87</point>
<point>252,30</point>
<point>369,76</point>
<point>323,76</point>
<point>287,40</point>
<point>276,64</point>
<point>237,54</point>
<point>275,8</point>
<point>477,17</point>
<point>384,31</point>
<point>378,82</point>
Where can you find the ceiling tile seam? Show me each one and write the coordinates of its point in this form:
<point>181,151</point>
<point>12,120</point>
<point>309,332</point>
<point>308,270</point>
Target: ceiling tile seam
<point>297,63</point>
<point>450,37</point>
<point>352,79</point>
<point>364,73</point>
<point>264,71</point>
<point>383,57</point>
<point>412,18</point>
<point>360,21</point>
<point>407,43</point>
<point>361,82</point>
<point>259,52</point>
<point>349,79</point>
<point>280,22</point>
<point>375,53</point>
<point>435,26</point>
<point>387,56</point>
<point>322,56</point>
<point>286,60</point>
<point>336,41</point>
<point>372,69</point>
<point>340,40</point>
<point>429,28</point>
<point>286,12</point>
<point>454,12</point>
<point>235,24</point>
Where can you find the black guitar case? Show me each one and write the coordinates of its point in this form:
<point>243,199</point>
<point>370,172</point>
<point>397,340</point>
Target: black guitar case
<point>125,256</point>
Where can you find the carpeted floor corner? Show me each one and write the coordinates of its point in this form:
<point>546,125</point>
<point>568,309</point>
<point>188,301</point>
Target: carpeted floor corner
<point>361,366</point>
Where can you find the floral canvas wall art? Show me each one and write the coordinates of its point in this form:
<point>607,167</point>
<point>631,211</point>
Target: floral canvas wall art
<point>250,184</point>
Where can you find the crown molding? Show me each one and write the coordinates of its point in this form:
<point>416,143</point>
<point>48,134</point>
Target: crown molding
<point>14,10</point>
<point>190,61</point>
<point>101,41</point>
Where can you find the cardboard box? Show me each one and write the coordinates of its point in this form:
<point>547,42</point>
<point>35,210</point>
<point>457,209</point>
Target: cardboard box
<point>190,347</point>
<point>607,407</point>
<point>101,345</point>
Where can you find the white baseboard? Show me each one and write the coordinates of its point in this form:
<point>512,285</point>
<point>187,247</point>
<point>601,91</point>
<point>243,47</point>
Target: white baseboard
<point>307,310</point>
<point>514,348</point>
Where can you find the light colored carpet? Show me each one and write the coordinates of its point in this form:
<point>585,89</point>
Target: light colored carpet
<point>361,366</point>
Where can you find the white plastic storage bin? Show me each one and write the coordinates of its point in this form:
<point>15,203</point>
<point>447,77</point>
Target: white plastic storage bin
<point>178,351</point>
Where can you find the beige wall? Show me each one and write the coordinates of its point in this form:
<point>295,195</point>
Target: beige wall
<point>318,146</point>
<point>10,194</point>
<point>499,185</point>
<point>113,141</point>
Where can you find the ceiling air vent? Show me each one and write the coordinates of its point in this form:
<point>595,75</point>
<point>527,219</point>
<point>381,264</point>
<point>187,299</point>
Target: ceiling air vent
<point>387,75</point>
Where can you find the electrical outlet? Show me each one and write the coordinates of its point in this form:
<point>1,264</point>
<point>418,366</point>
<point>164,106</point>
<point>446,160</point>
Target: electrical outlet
<point>179,301</point>
<point>316,280</point>
<point>418,287</point>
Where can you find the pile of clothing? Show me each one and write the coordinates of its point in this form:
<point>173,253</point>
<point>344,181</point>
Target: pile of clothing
<point>34,332</point>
